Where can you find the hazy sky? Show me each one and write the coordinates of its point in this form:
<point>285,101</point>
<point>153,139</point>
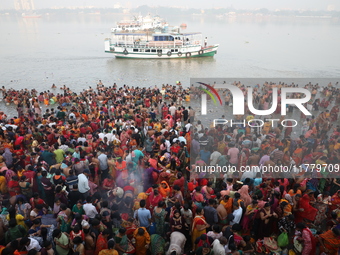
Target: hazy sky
<point>238,4</point>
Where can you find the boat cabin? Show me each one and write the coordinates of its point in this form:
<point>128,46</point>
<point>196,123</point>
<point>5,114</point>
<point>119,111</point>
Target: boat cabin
<point>157,40</point>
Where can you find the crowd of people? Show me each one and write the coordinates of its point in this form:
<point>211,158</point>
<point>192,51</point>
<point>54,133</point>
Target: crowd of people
<point>113,171</point>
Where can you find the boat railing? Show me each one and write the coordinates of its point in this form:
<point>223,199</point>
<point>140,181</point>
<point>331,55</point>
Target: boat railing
<point>154,44</point>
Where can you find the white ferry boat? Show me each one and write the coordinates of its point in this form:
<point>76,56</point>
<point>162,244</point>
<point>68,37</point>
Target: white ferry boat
<point>159,45</point>
<point>140,23</point>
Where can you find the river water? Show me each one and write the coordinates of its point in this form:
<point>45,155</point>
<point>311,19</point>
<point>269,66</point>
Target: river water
<point>69,49</point>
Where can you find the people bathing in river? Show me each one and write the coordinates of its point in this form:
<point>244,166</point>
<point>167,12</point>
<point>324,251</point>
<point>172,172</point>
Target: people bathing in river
<point>112,171</point>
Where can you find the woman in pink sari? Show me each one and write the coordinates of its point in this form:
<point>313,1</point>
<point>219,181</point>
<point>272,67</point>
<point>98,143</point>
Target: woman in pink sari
<point>244,192</point>
<point>169,120</point>
<point>307,239</point>
<point>124,138</point>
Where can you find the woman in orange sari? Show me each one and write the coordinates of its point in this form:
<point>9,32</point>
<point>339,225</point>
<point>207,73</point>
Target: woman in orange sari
<point>298,154</point>
<point>330,241</point>
<point>142,238</point>
<point>164,189</point>
<point>199,226</point>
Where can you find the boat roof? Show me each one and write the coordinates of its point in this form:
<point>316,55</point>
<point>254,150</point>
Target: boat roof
<point>139,34</point>
<point>174,33</point>
<point>160,34</point>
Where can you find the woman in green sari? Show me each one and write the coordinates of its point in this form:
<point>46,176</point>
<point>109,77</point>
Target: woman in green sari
<point>78,208</point>
<point>159,217</point>
<point>157,245</point>
<point>123,244</point>
<point>64,219</point>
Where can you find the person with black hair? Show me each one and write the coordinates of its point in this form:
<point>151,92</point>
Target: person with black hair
<point>237,214</point>
<point>101,242</point>
<point>35,230</point>
<point>306,238</point>
<point>123,244</point>
<point>36,213</point>
<point>110,249</point>
<point>61,241</point>
<point>199,226</point>
<point>329,241</point>
<point>210,213</point>
<point>90,242</point>
<point>89,208</point>
<point>33,252</point>
<point>71,180</point>
<point>267,216</point>
<point>26,186</point>
<point>142,240</point>
<point>30,243</point>
<point>205,249</point>
<point>15,231</point>
<point>48,188</point>
<point>216,232</point>
<point>78,245</point>
<point>333,221</point>
<point>177,222</point>
<point>143,215</point>
<point>47,249</point>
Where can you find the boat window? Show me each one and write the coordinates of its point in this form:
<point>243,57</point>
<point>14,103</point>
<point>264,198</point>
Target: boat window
<point>141,50</point>
<point>147,50</point>
<point>135,50</point>
<point>153,50</point>
<point>163,38</point>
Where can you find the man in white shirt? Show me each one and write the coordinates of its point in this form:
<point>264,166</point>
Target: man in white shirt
<point>108,135</point>
<point>187,127</point>
<point>81,138</point>
<point>237,214</point>
<point>30,243</point>
<point>101,135</point>
<point>103,165</point>
<point>214,157</point>
<point>83,183</point>
<point>177,242</point>
<point>172,110</point>
<point>89,209</point>
<point>219,246</point>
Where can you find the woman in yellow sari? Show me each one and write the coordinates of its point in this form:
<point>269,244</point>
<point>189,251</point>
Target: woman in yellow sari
<point>199,226</point>
<point>266,127</point>
<point>110,249</point>
<point>140,197</point>
<point>142,238</point>
<point>3,183</point>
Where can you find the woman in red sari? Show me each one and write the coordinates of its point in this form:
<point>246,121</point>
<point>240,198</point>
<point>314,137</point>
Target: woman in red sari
<point>334,113</point>
<point>165,111</point>
<point>308,212</point>
<point>335,201</point>
<point>154,199</point>
<point>101,243</point>
<point>13,186</point>
<point>199,226</point>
